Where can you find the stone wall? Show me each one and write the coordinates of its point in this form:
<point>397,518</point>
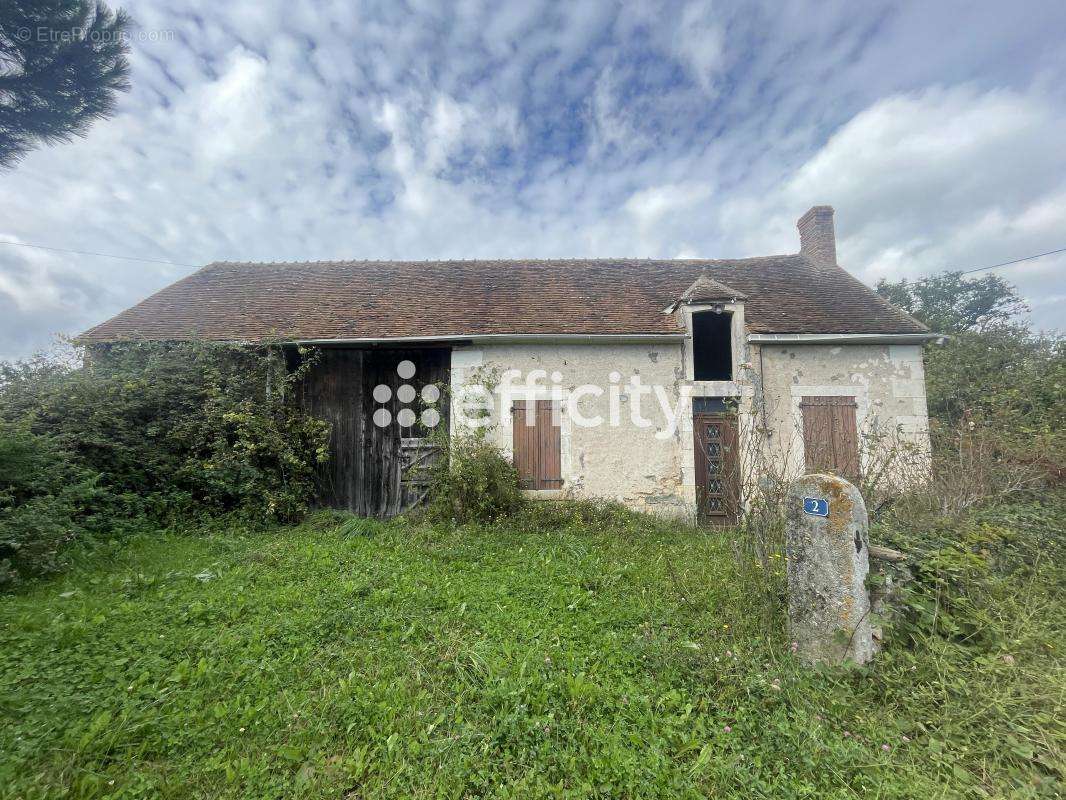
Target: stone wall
<point>651,468</point>
<point>639,466</point>
<point>887,381</point>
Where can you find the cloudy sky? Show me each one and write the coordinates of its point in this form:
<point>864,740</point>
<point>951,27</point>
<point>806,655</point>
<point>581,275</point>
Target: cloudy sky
<point>321,129</point>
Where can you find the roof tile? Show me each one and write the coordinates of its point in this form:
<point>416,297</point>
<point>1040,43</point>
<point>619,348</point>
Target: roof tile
<point>706,288</point>
<point>229,301</point>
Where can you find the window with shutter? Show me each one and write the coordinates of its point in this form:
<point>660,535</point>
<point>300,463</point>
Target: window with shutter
<point>537,446</point>
<point>830,438</point>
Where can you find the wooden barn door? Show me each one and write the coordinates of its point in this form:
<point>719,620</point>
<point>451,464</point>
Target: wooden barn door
<point>830,437</point>
<point>717,467</point>
<point>375,470</point>
<point>393,453</point>
<point>537,447</point>
<point>333,391</point>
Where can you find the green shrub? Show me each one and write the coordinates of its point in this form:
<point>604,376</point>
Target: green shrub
<point>473,482</point>
<point>33,536</point>
<point>175,430</point>
<point>44,498</point>
<point>992,374</point>
<point>964,565</point>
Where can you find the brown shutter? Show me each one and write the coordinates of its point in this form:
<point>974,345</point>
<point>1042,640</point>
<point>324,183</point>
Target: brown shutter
<point>549,473</point>
<point>536,447</point>
<point>830,436</point>
<point>845,439</point>
<point>817,446</point>
<point>525,446</point>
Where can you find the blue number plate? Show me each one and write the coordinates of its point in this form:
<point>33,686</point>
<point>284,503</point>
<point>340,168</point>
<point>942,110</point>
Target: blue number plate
<point>816,506</point>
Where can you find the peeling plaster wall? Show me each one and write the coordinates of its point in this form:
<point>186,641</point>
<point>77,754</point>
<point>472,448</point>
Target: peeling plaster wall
<point>887,382</point>
<point>632,465</point>
<point>627,463</point>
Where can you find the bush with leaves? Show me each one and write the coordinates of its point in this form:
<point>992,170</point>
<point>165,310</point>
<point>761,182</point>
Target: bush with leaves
<point>965,565</point>
<point>992,374</point>
<point>473,482</point>
<point>175,429</point>
<point>1005,375</point>
<point>44,502</point>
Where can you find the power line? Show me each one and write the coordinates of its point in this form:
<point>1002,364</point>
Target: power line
<point>1015,261</point>
<point>102,255</point>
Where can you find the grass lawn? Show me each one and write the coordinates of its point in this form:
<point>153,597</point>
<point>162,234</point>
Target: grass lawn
<point>616,660</point>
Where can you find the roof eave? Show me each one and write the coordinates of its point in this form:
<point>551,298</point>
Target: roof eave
<point>845,338</point>
<point>505,338</point>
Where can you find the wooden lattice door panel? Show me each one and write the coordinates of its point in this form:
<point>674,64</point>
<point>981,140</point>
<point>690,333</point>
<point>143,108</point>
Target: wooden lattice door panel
<point>830,436</point>
<point>419,457</point>
<point>717,478</point>
<point>537,446</point>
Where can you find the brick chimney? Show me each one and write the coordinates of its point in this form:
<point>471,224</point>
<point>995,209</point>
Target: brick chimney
<point>818,240</point>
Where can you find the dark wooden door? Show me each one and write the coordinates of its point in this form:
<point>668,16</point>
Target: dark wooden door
<point>375,470</point>
<point>537,446</point>
<point>334,392</point>
<point>830,438</point>
<point>391,451</point>
<point>717,467</point>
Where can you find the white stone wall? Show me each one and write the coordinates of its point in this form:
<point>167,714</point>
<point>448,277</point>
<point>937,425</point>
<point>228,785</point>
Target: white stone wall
<point>642,467</point>
<point>652,468</point>
<point>887,382</point>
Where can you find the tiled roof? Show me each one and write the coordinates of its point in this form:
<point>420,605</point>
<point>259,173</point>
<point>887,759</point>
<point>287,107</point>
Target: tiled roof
<point>705,288</point>
<point>387,299</point>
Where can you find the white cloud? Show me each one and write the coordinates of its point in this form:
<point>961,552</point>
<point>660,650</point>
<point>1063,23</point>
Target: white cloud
<point>701,42</point>
<point>234,112</point>
<point>924,181</point>
<point>326,129</point>
<point>649,206</point>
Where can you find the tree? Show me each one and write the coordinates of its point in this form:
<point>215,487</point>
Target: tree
<point>952,303</point>
<point>62,63</point>
<point>1003,374</point>
<point>991,370</point>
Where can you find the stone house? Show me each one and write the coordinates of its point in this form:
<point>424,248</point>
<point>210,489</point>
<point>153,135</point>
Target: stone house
<point>674,386</point>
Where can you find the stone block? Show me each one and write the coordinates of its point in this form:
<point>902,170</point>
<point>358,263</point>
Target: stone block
<point>827,548</point>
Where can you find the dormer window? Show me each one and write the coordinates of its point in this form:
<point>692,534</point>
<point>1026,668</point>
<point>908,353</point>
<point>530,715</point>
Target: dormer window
<point>712,310</point>
<point>712,346</point>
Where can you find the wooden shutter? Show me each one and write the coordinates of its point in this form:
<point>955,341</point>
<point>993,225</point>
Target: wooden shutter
<point>536,447</point>
<point>830,437</point>
<point>525,446</point>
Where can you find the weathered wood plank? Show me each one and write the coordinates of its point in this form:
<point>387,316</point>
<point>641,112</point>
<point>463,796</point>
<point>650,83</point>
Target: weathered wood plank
<point>364,475</point>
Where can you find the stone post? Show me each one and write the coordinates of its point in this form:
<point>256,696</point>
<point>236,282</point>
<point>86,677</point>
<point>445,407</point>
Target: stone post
<point>827,548</point>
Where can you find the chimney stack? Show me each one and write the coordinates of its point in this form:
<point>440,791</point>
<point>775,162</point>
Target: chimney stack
<point>818,240</point>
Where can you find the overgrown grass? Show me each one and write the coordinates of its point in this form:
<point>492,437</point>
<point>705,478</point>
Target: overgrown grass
<point>577,653</point>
